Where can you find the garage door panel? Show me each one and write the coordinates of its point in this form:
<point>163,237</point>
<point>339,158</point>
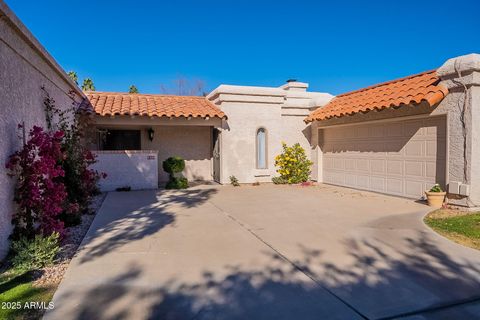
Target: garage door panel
<point>414,188</point>
<point>363,182</point>
<point>350,164</point>
<point>395,148</point>
<point>431,149</point>
<point>435,128</point>
<point>377,166</point>
<point>328,163</point>
<point>377,149</point>
<point>414,148</point>
<point>395,130</point>
<point>338,163</point>
<point>377,131</point>
<point>339,178</point>
<point>363,165</point>
<point>414,168</point>
<point>350,180</point>
<point>430,170</point>
<point>401,158</point>
<point>395,167</point>
<point>441,149</point>
<point>377,184</point>
<point>414,129</point>
<point>394,186</point>
<point>363,132</point>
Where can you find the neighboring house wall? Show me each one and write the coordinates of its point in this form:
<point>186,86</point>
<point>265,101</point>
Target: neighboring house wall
<point>279,110</point>
<point>135,169</point>
<point>25,67</point>
<point>462,76</point>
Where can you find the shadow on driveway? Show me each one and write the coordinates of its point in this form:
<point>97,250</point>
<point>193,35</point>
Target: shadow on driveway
<point>148,212</point>
<point>368,287</point>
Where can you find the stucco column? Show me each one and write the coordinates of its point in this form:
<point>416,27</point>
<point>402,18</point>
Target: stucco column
<point>462,77</point>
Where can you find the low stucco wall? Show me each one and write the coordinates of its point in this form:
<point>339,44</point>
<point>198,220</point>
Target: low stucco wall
<point>191,141</point>
<point>25,67</point>
<point>135,169</point>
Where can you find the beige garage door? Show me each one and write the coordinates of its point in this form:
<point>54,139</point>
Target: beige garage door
<point>401,158</point>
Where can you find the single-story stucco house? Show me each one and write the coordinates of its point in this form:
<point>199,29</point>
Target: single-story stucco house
<point>399,137</point>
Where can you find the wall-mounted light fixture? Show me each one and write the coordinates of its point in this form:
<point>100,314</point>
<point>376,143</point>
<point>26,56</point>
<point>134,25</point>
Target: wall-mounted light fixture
<point>151,134</point>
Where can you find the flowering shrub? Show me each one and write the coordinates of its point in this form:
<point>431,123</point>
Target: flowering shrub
<point>55,184</point>
<point>293,165</point>
<point>80,181</point>
<point>40,192</point>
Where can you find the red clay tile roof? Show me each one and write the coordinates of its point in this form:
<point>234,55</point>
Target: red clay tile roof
<point>392,94</point>
<point>113,103</point>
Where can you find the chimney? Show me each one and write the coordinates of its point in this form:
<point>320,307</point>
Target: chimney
<point>294,85</point>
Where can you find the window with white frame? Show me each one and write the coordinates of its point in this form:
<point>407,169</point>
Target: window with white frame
<point>261,142</point>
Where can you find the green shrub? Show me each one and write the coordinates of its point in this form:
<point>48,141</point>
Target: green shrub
<point>177,183</point>
<point>234,181</point>
<point>436,188</point>
<point>31,254</point>
<point>173,165</point>
<point>279,180</point>
<point>293,164</point>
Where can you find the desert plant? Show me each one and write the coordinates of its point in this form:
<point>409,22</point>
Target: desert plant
<point>174,166</point>
<point>234,181</point>
<point>36,253</point>
<point>88,85</point>
<point>436,188</point>
<point>73,75</point>
<point>133,89</point>
<point>293,164</point>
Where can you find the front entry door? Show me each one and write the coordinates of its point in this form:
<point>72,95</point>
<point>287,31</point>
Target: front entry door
<point>216,155</point>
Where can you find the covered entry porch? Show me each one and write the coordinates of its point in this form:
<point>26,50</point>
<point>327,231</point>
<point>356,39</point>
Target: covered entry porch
<point>131,145</point>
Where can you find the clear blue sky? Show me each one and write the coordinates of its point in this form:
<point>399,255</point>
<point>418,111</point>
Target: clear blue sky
<point>336,46</point>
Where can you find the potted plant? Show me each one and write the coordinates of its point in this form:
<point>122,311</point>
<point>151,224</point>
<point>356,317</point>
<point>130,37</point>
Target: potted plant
<point>435,196</point>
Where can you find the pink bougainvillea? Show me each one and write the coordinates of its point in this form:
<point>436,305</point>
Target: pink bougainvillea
<point>40,192</point>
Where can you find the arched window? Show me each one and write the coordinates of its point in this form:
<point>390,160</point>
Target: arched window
<point>261,148</point>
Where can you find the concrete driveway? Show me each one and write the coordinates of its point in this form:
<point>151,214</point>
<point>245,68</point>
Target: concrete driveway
<point>266,252</point>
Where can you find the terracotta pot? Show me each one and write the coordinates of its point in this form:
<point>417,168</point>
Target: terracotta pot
<point>435,199</point>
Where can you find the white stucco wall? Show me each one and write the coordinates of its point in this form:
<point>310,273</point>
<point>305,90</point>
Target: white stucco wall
<point>462,77</point>
<point>135,169</point>
<point>279,110</point>
<point>238,148</point>
<point>192,143</point>
<point>25,66</point>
